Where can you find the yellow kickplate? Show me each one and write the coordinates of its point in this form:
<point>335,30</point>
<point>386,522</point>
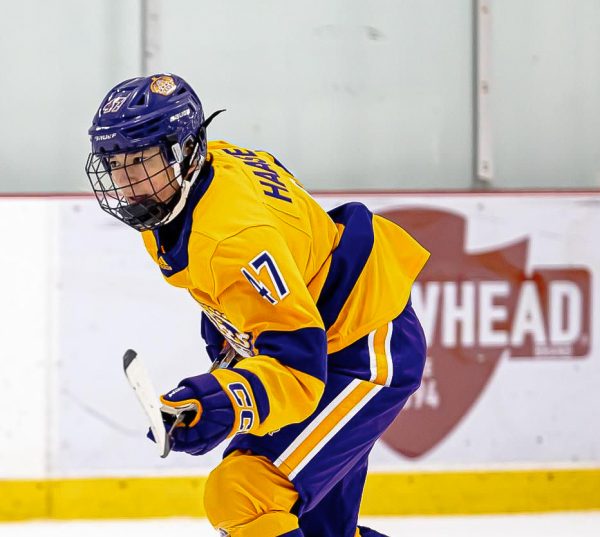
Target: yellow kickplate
<point>102,498</point>
<point>23,500</point>
<point>439,493</point>
<point>128,498</point>
<point>452,493</point>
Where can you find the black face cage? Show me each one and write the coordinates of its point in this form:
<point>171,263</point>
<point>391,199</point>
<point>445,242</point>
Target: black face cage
<point>133,200</point>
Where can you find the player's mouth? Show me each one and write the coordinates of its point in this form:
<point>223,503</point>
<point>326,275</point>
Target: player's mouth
<point>137,199</point>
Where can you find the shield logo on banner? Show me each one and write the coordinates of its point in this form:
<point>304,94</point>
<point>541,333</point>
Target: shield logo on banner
<point>476,310</point>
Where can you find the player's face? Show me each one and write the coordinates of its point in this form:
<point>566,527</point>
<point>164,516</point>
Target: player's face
<point>143,175</point>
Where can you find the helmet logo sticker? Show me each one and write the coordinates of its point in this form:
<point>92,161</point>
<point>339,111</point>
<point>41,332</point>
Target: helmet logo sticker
<point>114,104</point>
<point>102,137</point>
<point>163,85</point>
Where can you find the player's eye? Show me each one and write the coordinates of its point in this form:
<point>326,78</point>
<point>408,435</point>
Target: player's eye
<point>115,164</point>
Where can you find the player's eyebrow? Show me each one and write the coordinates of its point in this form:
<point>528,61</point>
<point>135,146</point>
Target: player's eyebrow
<point>122,159</point>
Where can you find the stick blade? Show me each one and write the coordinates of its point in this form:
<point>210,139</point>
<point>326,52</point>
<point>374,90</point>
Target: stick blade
<point>140,381</point>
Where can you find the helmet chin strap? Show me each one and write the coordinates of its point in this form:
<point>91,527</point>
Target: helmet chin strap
<point>185,185</point>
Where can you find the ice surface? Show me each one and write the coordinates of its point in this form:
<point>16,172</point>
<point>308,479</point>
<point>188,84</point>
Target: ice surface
<point>543,525</point>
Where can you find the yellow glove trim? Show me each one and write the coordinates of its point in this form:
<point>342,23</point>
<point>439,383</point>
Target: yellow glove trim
<point>179,405</point>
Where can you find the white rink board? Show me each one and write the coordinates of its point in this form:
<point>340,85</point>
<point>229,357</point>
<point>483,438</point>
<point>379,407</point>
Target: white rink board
<point>96,293</point>
<point>27,294</point>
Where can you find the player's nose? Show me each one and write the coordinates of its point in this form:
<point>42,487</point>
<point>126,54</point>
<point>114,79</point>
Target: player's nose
<point>122,178</point>
<point>130,183</point>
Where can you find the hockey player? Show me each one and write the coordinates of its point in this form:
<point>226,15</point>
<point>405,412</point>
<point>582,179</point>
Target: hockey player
<point>315,305</point>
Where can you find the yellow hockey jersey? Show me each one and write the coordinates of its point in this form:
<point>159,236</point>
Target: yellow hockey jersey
<point>283,281</point>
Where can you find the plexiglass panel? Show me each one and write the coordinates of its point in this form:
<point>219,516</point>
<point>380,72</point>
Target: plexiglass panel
<point>546,93</point>
<point>58,59</point>
<point>347,93</point>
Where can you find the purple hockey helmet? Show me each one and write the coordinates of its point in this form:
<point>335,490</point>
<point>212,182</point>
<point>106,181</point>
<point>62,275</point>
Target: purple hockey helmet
<point>160,111</point>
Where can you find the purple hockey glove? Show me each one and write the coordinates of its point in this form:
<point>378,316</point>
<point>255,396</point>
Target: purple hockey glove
<point>210,425</point>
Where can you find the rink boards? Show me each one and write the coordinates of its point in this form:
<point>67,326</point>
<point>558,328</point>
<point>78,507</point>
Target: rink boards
<point>505,420</point>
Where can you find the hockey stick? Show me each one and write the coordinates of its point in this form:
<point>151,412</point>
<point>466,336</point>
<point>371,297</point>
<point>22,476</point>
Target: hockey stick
<point>140,381</point>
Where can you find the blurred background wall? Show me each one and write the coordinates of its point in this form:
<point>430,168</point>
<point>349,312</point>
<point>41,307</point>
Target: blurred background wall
<point>353,94</point>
